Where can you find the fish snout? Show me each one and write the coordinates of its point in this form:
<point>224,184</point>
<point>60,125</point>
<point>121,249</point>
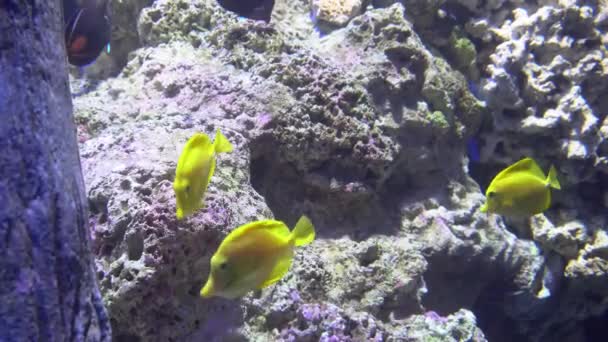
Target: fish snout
<point>179,213</point>
<point>209,289</point>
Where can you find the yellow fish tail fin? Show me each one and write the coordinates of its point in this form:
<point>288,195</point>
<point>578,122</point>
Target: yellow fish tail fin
<point>552,179</point>
<point>304,232</point>
<point>221,143</point>
<point>279,270</point>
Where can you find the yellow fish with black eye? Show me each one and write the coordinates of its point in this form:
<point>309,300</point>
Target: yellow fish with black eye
<point>195,168</point>
<point>520,190</point>
<point>255,255</point>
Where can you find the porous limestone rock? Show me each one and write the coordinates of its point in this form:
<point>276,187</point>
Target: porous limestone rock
<point>565,239</point>
<point>48,288</point>
<point>335,12</point>
<point>363,130</point>
<point>543,72</point>
<point>290,110</point>
<point>458,326</point>
<point>562,71</point>
<point>151,266</point>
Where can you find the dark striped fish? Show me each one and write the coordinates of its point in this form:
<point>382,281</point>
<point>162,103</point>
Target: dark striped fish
<point>252,9</point>
<point>87,30</point>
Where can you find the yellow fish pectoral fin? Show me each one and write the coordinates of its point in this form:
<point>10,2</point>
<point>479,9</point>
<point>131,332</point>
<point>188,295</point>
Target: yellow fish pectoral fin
<point>484,208</point>
<point>279,271</point>
<point>552,179</point>
<point>304,232</point>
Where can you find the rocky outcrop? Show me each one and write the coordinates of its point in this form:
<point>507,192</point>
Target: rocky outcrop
<point>335,13</point>
<point>365,131</point>
<point>48,286</point>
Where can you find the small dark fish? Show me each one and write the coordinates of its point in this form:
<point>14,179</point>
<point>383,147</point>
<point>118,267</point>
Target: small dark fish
<point>473,149</point>
<point>316,27</point>
<point>87,30</point>
<point>474,89</point>
<point>252,9</point>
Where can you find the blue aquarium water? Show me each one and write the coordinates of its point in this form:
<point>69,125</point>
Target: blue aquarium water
<point>311,170</point>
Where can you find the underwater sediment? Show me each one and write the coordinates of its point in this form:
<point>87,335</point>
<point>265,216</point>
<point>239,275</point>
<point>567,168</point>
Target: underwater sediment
<point>365,127</point>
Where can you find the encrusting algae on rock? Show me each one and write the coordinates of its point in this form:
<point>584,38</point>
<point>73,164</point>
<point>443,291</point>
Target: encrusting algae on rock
<point>520,190</point>
<point>254,256</point>
<point>194,171</point>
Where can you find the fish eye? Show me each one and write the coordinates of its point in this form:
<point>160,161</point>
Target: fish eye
<point>492,194</point>
<point>223,266</point>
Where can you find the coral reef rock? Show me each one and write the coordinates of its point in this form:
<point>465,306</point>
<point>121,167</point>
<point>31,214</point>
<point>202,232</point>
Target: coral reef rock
<point>365,130</point>
<point>542,72</point>
<point>335,12</point>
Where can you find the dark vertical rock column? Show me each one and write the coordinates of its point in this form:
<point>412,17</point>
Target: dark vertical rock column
<point>48,290</point>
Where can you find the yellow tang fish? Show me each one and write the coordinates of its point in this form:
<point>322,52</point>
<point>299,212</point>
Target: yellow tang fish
<point>194,170</point>
<point>254,256</point>
<point>520,190</point>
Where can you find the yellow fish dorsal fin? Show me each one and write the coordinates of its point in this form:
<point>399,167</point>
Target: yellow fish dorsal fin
<point>276,227</point>
<point>304,232</point>
<point>279,271</point>
<point>524,165</point>
<point>197,140</point>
